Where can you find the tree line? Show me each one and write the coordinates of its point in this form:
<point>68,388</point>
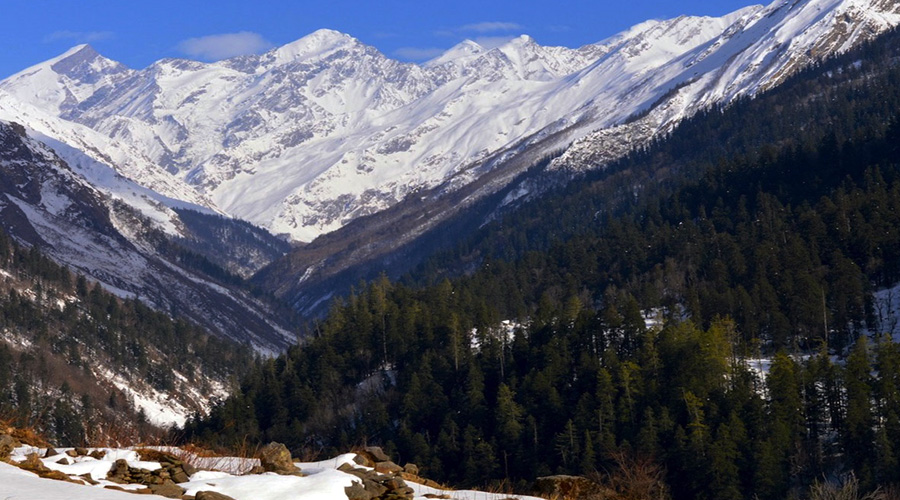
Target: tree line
<point>704,304</point>
<point>60,330</point>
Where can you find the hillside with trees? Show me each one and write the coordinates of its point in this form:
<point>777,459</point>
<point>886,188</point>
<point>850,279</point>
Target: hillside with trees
<point>703,305</point>
<point>74,357</point>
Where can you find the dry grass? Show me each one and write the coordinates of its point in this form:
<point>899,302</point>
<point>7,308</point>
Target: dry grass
<point>848,489</point>
<point>238,460</point>
<point>27,434</point>
<point>634,477</point>
<point>891,491</point>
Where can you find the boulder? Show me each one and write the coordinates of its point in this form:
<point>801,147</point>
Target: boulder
<point>412,469</point>
<point>347,468</point>
<point>388,467</point>
<point>58,476</point>
<point>179,475</point>
<point>375,454</point>
<point>394,484</point>
<point>189,469</point>
<point>7,445</point>
<point>33,463</point>
<point>363,460</point>
<point>97,454</point>
<point>88,479</point>
<point>357,491</point>
<point>119,472</point>
<point>211,495</point>
<point>167,489</point>
<point>275,457</point>
<point>375,485</point>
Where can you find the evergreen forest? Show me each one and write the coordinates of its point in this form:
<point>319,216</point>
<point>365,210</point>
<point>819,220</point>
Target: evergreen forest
<point>60,333</point>
<point>705,305</point>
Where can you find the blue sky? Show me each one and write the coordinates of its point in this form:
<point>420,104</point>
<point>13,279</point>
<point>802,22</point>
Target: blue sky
<point>137,33</point>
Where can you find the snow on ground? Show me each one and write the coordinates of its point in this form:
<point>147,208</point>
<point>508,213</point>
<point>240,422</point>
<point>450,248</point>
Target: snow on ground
<point>21,485</point>
<point>887,311</point>
<point>322,480</point>
<point>325,485</point>
<point>760,366</point>
<point>160,408</point>
<point>505,332</point>
<point>421,490</point>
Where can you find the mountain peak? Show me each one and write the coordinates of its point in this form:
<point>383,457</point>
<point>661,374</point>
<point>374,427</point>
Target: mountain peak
<point>316,43</point>
<point>464,48</point>
<point>521,40</point>
<point>82,62</point>
<point>78,49</point>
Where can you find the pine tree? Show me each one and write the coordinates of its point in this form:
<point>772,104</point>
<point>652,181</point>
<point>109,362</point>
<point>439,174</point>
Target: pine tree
<point>887,397</point>
<point>858,437</point>
<point>508,421</point>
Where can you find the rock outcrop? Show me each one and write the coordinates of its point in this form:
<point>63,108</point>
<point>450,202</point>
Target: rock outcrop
<point>373,485</point>
<point>275,457</point>
<point>7,445</point>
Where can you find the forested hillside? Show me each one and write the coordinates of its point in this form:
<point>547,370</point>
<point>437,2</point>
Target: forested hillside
<point>84,366</point>
<point>637,300</point>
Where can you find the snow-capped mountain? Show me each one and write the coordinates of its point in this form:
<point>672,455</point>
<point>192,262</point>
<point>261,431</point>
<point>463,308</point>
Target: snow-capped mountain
<point>759,49</point>
<point>44,203</point>
<point>310,135</point>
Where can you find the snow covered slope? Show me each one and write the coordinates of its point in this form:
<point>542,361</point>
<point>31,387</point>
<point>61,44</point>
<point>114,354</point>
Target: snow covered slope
<point>44,203</point>
<point>311,135</point>
<point>322,480</point>
<point>758,50</point>
<point>109,165</point>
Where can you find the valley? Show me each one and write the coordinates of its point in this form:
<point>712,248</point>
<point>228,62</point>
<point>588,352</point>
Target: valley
<point>668,258</point>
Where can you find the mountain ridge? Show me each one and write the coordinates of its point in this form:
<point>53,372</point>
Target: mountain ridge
<point>45,204</point>
<point>313,135</point>
<point>326,129</point>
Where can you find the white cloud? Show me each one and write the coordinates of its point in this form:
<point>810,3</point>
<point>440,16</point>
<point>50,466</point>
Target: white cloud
<point>418,54</point>
<point>217,47</point>
<point>491,27</point>
<point>78,36</point>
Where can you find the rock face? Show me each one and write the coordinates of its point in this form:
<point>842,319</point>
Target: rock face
<point>275,457</point>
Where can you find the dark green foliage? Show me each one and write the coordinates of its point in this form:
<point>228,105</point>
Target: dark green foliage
<point>64,330</point>
<point>225,243</point>
<point>760,229</point>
